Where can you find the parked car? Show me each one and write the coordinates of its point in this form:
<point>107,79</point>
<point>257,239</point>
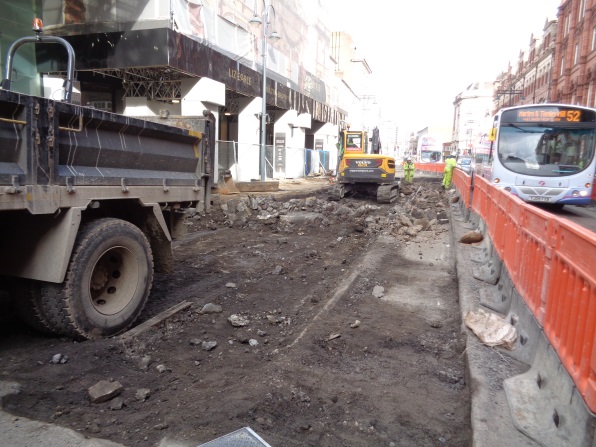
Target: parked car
<point>463,163</point>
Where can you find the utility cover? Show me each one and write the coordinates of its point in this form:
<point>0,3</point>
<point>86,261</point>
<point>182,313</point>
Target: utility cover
<point>245,437</point>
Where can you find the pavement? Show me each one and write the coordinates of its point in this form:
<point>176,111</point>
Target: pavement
<point>487,369</point>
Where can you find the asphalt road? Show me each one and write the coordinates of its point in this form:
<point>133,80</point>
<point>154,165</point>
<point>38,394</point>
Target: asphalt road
<point>582,215</point>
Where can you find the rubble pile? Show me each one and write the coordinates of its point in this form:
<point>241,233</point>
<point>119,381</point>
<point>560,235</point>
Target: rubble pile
<point>420,212</point>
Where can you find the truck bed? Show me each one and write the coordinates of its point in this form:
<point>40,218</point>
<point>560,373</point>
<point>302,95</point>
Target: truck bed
<point>57,155</point>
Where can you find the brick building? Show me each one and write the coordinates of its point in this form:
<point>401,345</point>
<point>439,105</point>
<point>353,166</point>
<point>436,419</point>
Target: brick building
<point>574,70</point>
<point>531,81</point>
<point>559,66</point>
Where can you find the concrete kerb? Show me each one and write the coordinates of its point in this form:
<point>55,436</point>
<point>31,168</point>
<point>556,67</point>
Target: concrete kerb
<point>545,404</point>
<point>490,271</point>
<point>528,330</point>
<point>498,296</point>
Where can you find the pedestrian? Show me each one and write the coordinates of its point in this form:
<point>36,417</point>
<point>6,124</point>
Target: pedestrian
<point>409,167</point>
<point>448,171</point>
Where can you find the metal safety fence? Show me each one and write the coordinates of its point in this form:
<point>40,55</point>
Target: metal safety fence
<point>242,161</point>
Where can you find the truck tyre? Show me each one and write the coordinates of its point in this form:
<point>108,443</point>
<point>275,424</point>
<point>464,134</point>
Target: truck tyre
<point>107,283</point>
<point>26,295</point>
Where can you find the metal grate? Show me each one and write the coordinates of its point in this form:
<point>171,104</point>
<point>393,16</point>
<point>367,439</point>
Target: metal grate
<point>245,437</point>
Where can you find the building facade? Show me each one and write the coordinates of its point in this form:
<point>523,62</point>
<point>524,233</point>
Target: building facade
<point>531,80</point>
<point>472,116</point>
<point>574,71</point>
<point>189,57</point>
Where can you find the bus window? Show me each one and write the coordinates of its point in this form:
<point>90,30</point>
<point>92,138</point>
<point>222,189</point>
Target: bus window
<point>547,151</point>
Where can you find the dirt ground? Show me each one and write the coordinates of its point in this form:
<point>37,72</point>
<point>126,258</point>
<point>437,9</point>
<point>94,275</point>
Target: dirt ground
<point>328,324</point>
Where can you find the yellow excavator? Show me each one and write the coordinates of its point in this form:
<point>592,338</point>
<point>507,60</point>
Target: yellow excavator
<point>362,169</point>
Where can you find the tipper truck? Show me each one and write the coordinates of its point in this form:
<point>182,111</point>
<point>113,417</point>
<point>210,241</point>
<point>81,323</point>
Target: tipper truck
<point>89,204</point>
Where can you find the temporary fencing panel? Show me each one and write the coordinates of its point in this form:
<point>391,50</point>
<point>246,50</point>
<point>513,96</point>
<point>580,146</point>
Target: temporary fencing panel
<point>243,161</point>
<point>481,202</point>
<point>551,263</point>
<point>570,318</point>
<point>227,157</point>
<point>463,183</point>
<point>498,221</point>
<point>248,162</point>
<point>316,162</point>
<point>430,167</point>
<point>532,276</point>
<point>312,161</point>
<point>295,164</point>
<point>479,196</point>
<point>513,257</point>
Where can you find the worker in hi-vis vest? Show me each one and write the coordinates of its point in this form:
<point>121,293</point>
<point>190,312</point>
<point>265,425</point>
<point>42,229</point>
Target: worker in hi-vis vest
<point>448,172</point>
<point>408,166</point>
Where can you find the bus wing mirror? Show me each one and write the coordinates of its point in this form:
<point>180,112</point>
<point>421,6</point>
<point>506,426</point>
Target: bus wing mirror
<point>492,134</point>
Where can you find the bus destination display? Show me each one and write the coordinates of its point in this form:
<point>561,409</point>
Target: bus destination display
<point>545,115</point>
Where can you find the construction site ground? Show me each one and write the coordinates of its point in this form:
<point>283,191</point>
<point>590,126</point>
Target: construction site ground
<point>313,322</point>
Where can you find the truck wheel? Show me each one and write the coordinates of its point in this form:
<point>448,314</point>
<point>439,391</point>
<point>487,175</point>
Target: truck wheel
<point>26,295</point>
<point>107,282</point>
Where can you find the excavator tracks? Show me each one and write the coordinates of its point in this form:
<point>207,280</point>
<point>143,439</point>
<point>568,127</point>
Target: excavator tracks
<point>387,193</point>
<point>383,193</point>
<point>337,192</point>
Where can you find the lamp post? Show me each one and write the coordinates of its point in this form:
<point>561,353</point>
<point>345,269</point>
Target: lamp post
<point>268,9</point>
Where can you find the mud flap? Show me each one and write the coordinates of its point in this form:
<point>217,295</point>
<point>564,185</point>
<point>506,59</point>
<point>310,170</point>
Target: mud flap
<point>226,184</point>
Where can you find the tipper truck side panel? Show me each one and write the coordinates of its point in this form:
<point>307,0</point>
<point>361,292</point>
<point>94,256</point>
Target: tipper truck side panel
<point>72,175</point>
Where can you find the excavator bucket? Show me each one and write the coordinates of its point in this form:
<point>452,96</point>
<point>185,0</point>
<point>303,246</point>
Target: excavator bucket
<point>226,184</point>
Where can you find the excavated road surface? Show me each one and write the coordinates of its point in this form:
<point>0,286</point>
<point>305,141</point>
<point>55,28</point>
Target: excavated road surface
<point>328,324</point>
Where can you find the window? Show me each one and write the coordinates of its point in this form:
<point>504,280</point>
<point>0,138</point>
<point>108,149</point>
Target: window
<point>581,10</point>
<point>576,54</point>
<point>594,38</point>
<point>566,29</point>
<point>102,105</point>
<point>563,65</point>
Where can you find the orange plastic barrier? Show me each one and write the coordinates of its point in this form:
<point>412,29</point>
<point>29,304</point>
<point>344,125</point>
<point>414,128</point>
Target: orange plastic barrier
<point>551,262</point>
<point>463,183</point>
<point>570,317</point>
<point>534,263</point>
<point>430,167</point>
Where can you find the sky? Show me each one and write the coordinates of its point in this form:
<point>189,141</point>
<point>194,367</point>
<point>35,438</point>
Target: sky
<point>424,53</point>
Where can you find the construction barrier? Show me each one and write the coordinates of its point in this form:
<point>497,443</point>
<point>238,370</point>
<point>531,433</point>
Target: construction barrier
<point>463,183</point>
<point>430,167</point>
<point>570,301</point>
<point>551,262</point>
<point>547,290</point>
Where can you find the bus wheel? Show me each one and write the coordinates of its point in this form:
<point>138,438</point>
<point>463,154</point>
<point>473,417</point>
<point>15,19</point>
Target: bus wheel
<point>107,282</point>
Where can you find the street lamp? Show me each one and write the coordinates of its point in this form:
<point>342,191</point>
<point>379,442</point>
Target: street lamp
<point>274,36</point>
